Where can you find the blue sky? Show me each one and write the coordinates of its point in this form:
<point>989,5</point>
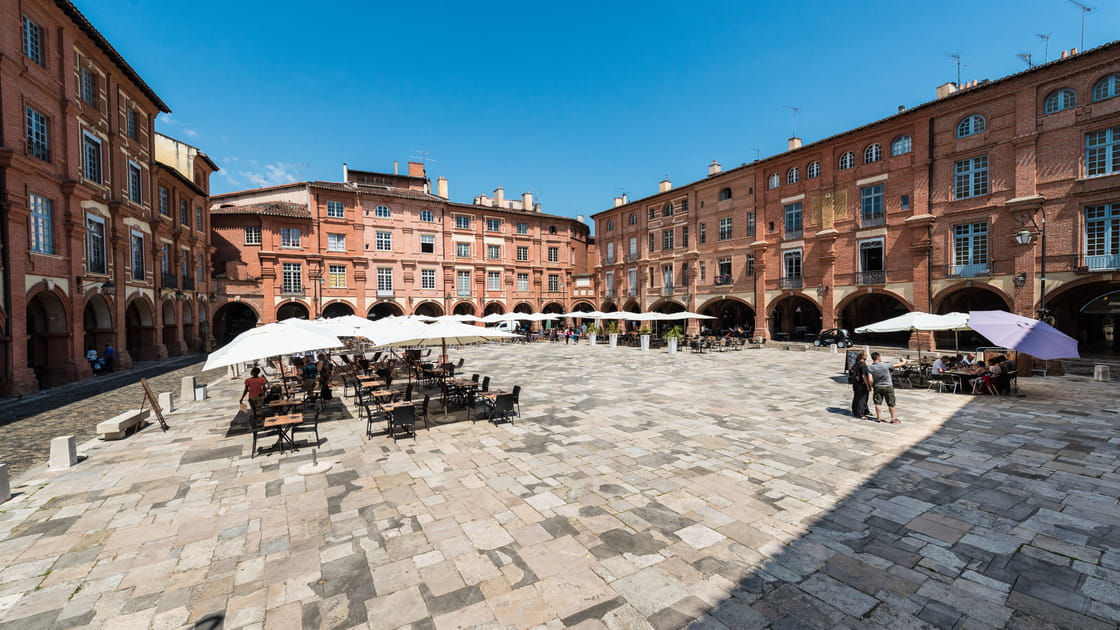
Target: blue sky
<point>576,102</point>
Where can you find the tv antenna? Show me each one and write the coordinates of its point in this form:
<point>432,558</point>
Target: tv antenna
<point>757,154</point>
<point>1045,37</point>
<point>794,124</point>
<point>1027,58</point>
<point>423,156</point>
<point>299,170</point>
<point>957,60</point>
<point>1084,11</point>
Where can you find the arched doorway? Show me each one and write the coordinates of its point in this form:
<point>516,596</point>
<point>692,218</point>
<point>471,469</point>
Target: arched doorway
<point>794,317</point>
<point>190,336</point>
<point>232,319</point>
<point>170,330</point>
<point>963,300</point>
<point>384,309</point>
<point>47,338</point>
<point>523,307</point>
<point>291,309</point>
<point>428,309</point>
<point>868,308</point>
<point>608,307</point>
<point>632,307</point>
<point>552,308</point>
<point>463,308</point>
<point>140,331</point>
<point>667,306</point>
<point>1090,313</point>
<point>97,323</point>
<point>493,308</point>
<point>729,315</point>
<point>337,309</point>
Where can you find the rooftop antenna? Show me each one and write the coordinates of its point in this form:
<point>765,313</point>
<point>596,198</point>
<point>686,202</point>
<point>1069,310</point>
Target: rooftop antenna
<point>1084,10</point>
<point>423,157</point>
<point>1027,58</point>
<point>1045,37</point>
<point>299,171</point>
<point>757,154</point>
<point>794,124</point>
<point>957,60</point>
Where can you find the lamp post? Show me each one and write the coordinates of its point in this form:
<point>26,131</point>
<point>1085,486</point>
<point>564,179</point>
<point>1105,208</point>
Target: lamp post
<point>1024,237</point>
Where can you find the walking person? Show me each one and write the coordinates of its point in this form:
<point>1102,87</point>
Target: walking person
<point>255,387</point>
<point>109,355</point>
<point>860,378</point>
<point>883,386</point>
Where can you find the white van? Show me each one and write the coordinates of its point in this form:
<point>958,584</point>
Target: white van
<point>510,327</point>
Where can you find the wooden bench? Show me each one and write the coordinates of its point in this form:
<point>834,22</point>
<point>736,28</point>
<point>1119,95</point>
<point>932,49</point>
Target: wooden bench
<point>119,426</point>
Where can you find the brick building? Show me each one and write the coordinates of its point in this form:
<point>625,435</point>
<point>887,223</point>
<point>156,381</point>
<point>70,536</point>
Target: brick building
<point>918,211</point>
<point>378,244</point>
<point>84,176</point>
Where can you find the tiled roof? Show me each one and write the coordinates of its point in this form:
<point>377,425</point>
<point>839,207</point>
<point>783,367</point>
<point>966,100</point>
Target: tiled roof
<point>268,208</point>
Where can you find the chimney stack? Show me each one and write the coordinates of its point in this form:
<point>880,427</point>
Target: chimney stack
<point>345,172</point>
<point>901,108</point>
<point>945,89</point>
<point>794,143</point>
<point>416,169</point>
<point>1065,53</point>
<point>499,197</point>
<point>441,187</point>
<point>396,167</point>
<point>665,185</point>
<point>714,168</point>
<point>526,200</point>
<point>1073,51</point>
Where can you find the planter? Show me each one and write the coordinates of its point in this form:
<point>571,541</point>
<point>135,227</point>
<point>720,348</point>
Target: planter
<point>613,338</point>
<point>645,343</point>
<point>672,345</point>
<point>593,338</point>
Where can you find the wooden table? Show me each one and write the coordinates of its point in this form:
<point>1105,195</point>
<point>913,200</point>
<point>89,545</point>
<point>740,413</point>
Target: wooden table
<point>284,422</point>
<point>289,402</point>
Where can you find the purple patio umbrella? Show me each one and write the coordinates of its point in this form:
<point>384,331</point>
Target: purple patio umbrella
<point>1029,336</point>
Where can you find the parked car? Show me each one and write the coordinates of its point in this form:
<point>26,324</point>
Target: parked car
<point>838,336</point>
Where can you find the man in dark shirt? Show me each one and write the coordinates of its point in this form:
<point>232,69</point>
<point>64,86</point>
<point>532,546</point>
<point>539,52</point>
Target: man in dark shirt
<point>860,379</point>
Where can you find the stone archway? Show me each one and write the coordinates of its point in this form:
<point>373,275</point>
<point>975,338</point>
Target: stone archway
<point>730,314</point>
<point>608,307</point>
<point>867,308</point>
<point>1090,313</point>
<point>667,306</point>
<point>463,308</point>
<point>964,299</point>
<point>632,307</point>
<point>384,309</point>
<point>523,307</point>
<point>794,318</point>
<point>97,323</point>
<point>170,328</point>
<point>232,319</point>
<point>140,331</point>
<point>493,308</point>
<point>48,336</point>
<point>337,309</point>
<point>288,310</point>
<point>428,309</point>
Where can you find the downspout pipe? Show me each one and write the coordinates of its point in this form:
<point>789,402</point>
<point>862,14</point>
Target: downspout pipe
<point>929,227</point>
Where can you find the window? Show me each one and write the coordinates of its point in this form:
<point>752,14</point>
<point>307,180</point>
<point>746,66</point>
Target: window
<point>184,219</point>
<point>725,194</point>
<point>723,270</point>
<point>95,245</point>
<point>336,210</point>
<point>652,213</point>
<point>608,279</point>
<point>684,236</point>
<point>1102,237</point>
<point>426,216</point>
<point>1102,152</point>
<point>750,265</point>
<point>130,123</point>
<point>137,240</point>
<point>610,225</point>
<point>164,201</point>
<point>873,153</point>
<point>667,276</point>
<point>667,210</point>
<point>463,250</point>
<point>970,177</point>
<point>493,225</point>
<point>292,279</point>
<point>725,228</point>
<point>750,224</point>
<point>42,232</point>
<point>493,281</point>
<point>493,252</point>
<point>32,40</point>
<point>427,243</point>
<point>793,220</point>
<point>165,260</point>
<point>185,264</point>
<point>971,126</point>
<point>1106,87</point>
<point>970,249</point>
<point>463,222</point>
<point>871,256</point>
<point>384,241</point>
<point>336,242</point>
<point>463,283</point>
<point>667,239</point>
<point>253,235</point>
<point>427,278</point>
<point>289,237</point>
<point>38,135</point>
<point>384,281</point>
<point>791,263</point>
<point>198,218</point>
<point>522,282</point>
<point>1058,100</point>
<point>199,270</point>
<point>901,145</point>
<point>633,218</point>
<point>703,271</point>
<point>904,201</point>
<point>522,253</point>
<point>793,175</point>
<point>382,212</point>
<point>652,242</point>
<point>553,282</point>
<point>702,235</point>
<point>847,160</point>
<point>522,228</point>
<point>336,276</point>
<point>135,179</point>
<point>553,254</point>
<point>813,170</point>
<point>633,247</point>
<point>774,181</point>
<point>91,158</point>
<point>871,206</point>
<point>87,86</point>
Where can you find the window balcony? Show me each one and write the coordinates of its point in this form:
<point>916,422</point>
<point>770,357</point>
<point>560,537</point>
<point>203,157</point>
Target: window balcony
<point>1102,263</point>
<point>463,293</point>
<point>632,293</point>
<point>723,280</point>
<point>969,271</point>
<point>610,293</point>
<point>169,281</point>
<point>666,291</point>
<point>292,290</point>
<point>634,257</point>
<point>791,283</point>
<point>188,283</point>
<point>384,293</point>
<point>869,220</point>
<point>791,235</point>
<point>608,260</point>
<point>871,277</point>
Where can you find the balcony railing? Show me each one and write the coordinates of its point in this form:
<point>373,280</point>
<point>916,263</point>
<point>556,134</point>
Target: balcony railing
<point>188,283</point>
<point>871,220</point>
<point>632,292</point>
<point>384,293</point>
<point>666,291</point>
<point>631,258</point>
<point>723,280</point>
<point>463,293</point>
<point>791,283</point>
<point>291,289</point>
<point>608,260</point>
<point>969,271</point>
<point>169,281</point>
<point>871,277</point>
<point>793,234</point>
<point>1102,263</point>
<point>610,293</point>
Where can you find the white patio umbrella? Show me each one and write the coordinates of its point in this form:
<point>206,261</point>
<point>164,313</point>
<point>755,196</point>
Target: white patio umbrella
<point>444,333</point>
<point>271,340</point>
<point>917,320</point>
<point>458,318</point>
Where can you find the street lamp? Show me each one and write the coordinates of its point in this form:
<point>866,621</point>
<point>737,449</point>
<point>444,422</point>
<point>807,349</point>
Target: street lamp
<point>1024,236</point>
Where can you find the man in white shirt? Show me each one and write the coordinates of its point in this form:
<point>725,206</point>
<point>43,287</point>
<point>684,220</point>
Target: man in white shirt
<point>939,366</point>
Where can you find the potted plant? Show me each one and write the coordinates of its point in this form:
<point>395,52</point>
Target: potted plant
<point>673,336</point>
<point>643,334</point>
<point>592,333</point>
<point>612,333</point>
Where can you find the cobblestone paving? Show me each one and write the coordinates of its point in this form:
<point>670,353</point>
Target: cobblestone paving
<point>637,490</point>
<point>31,423</point>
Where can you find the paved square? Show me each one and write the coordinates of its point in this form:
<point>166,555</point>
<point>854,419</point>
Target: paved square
<point>637,490</point>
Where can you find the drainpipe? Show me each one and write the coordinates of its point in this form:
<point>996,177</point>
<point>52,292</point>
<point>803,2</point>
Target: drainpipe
<point>929,227</point>
<point>7,263</point>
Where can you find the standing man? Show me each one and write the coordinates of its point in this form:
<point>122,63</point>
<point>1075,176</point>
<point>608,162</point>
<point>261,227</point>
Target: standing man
<point>110,356</point>
<point>91,356</point>
<point>860,378</point>
<point>883,386</point>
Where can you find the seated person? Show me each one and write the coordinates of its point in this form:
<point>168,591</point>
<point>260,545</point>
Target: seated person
<point>310,374</point>
<point>940,365</point>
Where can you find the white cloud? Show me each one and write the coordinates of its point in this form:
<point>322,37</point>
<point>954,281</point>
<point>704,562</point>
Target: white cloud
<point>190,133</point>
<point>272,175</point>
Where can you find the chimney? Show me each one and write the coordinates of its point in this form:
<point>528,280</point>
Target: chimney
<point>579,217</point>
<point>1072,51</point>
<point>396,167</point>
<point>526,200</point>
<point>665,185</point>
<point>416,169</point>
<point>1065,53</point>
<point>794,143</point>
<point>345,172</point>
<point>617,201</point>
<point>714,168</point>
<point>441,187</point>
<point>945,89</point>
<point>624,199</point>
<point>499,197</point>
<point>537,207</point>
<point>901,108</point>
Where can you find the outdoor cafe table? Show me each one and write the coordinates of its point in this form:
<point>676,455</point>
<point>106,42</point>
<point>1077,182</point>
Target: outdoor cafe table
<point>289,402</point>
<point>284,422</point>
<point>962,378</point>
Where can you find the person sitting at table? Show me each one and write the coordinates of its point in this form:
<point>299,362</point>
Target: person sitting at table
<point>324,367</point>
<point>254,389</point>
<point>976,373</point>
<point>940,365</point>
<point>309,373</point>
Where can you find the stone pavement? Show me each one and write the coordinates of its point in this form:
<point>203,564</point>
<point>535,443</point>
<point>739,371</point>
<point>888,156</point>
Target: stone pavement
<point>637,490</point>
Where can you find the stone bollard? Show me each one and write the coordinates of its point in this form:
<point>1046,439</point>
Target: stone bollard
<point>64,452</point>
<point>187,392</point>
<point>167,402</point>
<point>1102,373</point>
<point>200,392</point>
<point>5,484</point>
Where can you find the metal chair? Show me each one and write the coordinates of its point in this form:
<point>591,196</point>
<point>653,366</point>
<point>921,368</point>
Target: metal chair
<point>422,412</point>
<point>485,384</point>
<point>501,409</point>
<point>308,426</point>
<point>369,413</point>
<point>517,398</point>
<point>403,420</point>
<point>256,425</point>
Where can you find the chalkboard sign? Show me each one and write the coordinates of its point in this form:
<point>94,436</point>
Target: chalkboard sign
<point>150,397</point>
<point>850,359</point>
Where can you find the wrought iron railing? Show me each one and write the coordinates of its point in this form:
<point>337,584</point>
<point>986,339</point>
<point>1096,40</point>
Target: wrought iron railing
<point>871,277</point>
<point>723,280</point>
<point>969,271</point>
<point>791,283</point>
